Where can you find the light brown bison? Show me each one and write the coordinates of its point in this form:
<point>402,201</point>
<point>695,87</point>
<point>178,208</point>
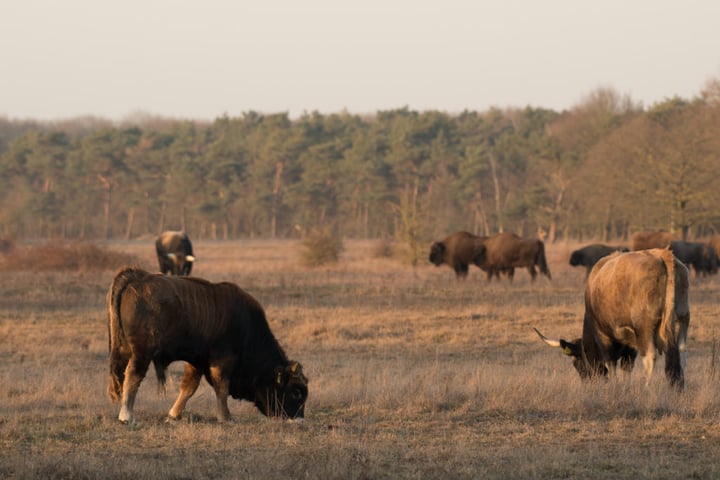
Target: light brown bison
<point>458,250</point>
<point>217,328</point>
<point>174,253</point>
<point>507,251</point>
<point>635,302</point>
<point>647,239</point>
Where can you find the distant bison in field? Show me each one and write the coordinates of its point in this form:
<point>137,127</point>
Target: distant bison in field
<point>701,256</point>
<point>507,251</point>
<point>589,255</point>
<point>174,253</point>
<point>457,250</point>
<point>647,239</point>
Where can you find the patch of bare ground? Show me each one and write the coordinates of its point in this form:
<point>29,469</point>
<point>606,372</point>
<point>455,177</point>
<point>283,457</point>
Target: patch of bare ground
<point>412,375</point>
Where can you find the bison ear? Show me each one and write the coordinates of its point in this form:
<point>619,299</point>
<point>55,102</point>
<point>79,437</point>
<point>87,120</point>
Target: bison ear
<point>571,349</point>
<point>295,373</point>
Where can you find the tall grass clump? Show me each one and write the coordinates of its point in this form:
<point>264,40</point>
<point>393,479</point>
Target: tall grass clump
<point>321,246</point>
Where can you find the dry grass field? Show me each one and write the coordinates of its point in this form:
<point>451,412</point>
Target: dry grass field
<point>412,375</point>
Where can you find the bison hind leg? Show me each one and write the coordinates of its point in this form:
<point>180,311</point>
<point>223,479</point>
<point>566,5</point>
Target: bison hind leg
<point>118,364</point>
<point>134,374</point>
<point>674,367</point>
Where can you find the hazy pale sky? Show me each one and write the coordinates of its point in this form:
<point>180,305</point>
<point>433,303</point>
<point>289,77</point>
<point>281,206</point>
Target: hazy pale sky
<point>202,59</point>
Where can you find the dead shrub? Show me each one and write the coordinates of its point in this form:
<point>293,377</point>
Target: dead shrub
<point>6,245</point>
<point>383,249</point>
<point>72,256</point>
<point>321,246</point>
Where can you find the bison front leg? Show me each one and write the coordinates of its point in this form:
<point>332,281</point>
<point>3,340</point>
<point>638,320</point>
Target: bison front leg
<point>134,374</point>
<point>188,387</point>
<point>461,271</point>
<point>533,272</point>
<point>221,384</point>
<point>648,360</point>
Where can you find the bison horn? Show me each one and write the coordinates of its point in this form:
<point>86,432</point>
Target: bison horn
<point>552,343</point>
<point>279,376</point>
<point>171,256</point>
<point>189,258</point>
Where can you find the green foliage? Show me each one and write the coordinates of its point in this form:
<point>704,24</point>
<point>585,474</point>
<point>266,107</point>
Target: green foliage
<point>409,228</point>
<point>604,163</point>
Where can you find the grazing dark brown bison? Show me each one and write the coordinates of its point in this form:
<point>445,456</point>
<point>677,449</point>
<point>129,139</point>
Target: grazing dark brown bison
<point>217,328</point>
<point>589,255</point>
<point>701,256</point>
<point>458,250</point>
<point>635,302</point>
<point>507,251</point>
<point>174,253</point>
<point>647,239</point>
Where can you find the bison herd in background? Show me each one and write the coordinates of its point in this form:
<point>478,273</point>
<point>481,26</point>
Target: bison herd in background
<point>636,303</point>
<point>636,298</point>
<point>504,252</point>
<point>498,254</point>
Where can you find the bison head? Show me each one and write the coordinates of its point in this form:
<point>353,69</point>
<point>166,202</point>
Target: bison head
<point>575,350</point>
<point>576,258</point>
<point>437,253</point>
<point>181,263</point>
<point>287,395</point>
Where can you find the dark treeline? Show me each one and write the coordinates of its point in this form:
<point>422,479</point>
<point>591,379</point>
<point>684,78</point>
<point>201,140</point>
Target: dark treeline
<point>602,169</point>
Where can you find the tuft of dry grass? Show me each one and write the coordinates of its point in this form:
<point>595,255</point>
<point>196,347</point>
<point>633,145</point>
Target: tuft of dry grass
<point>412,374</point>
<point>64,256</point>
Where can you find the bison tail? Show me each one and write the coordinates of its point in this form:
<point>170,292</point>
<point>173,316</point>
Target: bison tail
<point>160,372</point>
<point>116,378</point>
<point>115,332</point>
<point>541,261</point>
<point>667,325</point>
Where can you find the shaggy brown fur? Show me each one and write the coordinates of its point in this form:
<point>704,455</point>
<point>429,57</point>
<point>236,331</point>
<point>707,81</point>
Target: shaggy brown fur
<point>217,328</point>
<point>506,251</point>
<point>457,250</point>
<point>635,303</point>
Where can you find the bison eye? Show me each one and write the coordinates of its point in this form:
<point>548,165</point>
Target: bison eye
<point>296,394</point>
